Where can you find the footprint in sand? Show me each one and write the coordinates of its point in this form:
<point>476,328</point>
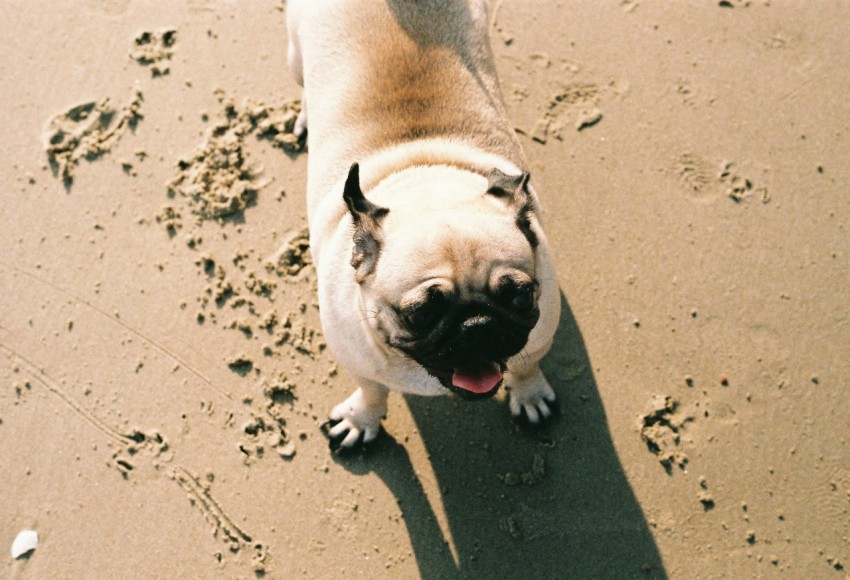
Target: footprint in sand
<point>696,177</point>
<point>703,182</point>
<point>152,48</point>
<point>575,107</point>
<point>87,131</point>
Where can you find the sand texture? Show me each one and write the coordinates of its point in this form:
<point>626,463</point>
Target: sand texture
<point>164,376</point>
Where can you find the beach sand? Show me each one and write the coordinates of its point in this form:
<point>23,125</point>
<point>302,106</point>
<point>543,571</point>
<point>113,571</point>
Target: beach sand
<point>163,375</point>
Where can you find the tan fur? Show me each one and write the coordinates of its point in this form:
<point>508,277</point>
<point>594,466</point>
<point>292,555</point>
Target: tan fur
<point>408,90</point>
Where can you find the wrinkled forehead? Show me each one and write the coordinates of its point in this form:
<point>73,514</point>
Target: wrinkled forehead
<point>465,247</point>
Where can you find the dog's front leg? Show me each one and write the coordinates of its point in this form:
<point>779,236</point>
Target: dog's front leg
<point>296,66</point>
<point>359,416</point>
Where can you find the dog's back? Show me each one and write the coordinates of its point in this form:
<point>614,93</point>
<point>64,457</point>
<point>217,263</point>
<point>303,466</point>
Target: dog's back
<point>395,71</point>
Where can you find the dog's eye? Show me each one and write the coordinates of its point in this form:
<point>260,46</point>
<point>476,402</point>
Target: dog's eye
<point>423,316</point>
<point>523,300</point>
<point>519,297</point>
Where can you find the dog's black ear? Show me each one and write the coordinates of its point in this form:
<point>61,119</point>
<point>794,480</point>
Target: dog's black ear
<point>514,190</point>
<point>367,227</point>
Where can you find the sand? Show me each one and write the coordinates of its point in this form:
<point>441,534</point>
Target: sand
<point>163,375</point>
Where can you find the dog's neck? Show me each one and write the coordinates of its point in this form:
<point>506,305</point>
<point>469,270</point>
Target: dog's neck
<point>383,164</point>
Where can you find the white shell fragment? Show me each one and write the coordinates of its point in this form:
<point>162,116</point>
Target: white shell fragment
<point>26,542</point>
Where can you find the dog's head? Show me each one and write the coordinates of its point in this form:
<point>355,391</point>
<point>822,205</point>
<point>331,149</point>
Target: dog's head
<point>445,260</point>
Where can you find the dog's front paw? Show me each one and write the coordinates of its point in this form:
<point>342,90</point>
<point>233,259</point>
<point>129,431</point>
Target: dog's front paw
<point>531,399</point>
<point>357,420</point>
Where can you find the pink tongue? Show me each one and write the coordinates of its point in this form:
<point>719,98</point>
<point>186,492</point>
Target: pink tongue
<point>477,380</point>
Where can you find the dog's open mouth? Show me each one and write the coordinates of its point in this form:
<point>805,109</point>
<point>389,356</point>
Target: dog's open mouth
<point>477,381</point>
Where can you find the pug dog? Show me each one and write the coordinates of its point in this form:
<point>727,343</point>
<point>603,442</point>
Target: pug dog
<point>434,275</point>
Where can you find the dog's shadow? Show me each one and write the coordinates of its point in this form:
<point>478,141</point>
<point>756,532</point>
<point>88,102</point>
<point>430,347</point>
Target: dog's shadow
<point>552,503</point>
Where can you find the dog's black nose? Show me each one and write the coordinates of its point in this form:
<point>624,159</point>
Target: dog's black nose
<point>476,328</point>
